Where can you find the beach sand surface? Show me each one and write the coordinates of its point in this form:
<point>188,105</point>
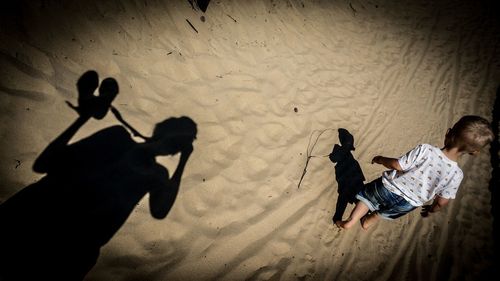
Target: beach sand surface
<point>260,79</point>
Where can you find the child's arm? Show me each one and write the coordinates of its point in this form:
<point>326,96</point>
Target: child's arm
<point>390,163</point>
<point>438,203</point>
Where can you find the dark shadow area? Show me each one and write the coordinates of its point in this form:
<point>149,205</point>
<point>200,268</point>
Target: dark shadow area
<point>348,173</point>
<point>200,4</point>
<point>494,183</point>
<point>54,229</point>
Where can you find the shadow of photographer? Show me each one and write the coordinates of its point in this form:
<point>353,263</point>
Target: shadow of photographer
<point>55,227</point>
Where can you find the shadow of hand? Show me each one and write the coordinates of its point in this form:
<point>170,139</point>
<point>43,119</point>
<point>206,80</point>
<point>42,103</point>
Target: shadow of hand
<point>90,105</point>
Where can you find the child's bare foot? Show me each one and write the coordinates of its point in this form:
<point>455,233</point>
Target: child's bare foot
<point>344,224</point>
<point>368,220</point>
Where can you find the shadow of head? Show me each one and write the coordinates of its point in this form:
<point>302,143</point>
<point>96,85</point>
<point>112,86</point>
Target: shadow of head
<point>173,135</point>
<point>342,152</point>
<point>346,139</point>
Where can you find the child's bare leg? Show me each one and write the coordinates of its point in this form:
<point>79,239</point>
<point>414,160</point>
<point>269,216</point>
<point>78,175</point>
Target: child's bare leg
<point>369,220</point>
<point>359,211</point>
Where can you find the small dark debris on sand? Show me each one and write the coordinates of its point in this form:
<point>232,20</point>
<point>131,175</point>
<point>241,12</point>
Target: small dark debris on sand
<point>192,26</point>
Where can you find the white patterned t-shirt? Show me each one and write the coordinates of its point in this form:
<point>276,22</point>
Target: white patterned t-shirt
<point>427,172</point>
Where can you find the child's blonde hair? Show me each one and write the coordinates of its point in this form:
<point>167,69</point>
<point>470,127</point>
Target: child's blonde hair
<point>470,133</point>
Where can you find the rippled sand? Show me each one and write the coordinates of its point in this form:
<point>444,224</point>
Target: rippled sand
<point>259,78</point>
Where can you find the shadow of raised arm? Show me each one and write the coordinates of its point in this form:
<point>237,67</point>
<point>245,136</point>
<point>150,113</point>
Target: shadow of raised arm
<point>88,106</point>
<point>53,155</point>
<point>161,199</point>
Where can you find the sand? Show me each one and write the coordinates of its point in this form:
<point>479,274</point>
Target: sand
<point>260,78</point>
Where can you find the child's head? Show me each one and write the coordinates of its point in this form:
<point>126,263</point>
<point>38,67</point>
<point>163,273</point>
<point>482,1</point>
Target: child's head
<point>469,134</point>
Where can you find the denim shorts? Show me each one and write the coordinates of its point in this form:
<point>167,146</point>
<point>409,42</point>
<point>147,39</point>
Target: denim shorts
<point>387,204</point>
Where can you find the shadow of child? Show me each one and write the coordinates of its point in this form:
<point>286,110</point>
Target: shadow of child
<point>348,173</point>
